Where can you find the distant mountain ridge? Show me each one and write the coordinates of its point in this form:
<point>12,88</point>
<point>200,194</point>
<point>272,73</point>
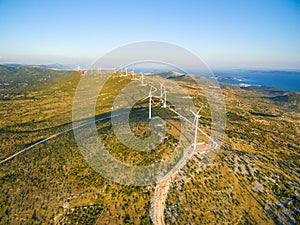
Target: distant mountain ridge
<point>55,66</point>
<point>173,75</point>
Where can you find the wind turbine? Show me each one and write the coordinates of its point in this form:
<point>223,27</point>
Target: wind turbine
<point>132,75</point>
<point>161,89</point>
<point>126,73</point>
<point>150,101</point>
<point>143,84</point>
<point>165,98</point>
<point>196,122</point>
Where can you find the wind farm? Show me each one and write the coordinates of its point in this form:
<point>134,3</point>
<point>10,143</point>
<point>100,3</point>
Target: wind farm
<point>149,112</point>
<point>160,197</point>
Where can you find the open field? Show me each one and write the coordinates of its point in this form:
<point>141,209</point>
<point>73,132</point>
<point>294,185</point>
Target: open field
<point>254,178</point>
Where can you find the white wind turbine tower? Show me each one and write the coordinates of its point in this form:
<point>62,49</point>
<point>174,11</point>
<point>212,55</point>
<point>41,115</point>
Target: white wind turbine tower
<point>161,89</point>
<point>126,71</point>
<point>165,98</point>
<point>132,75</point>
<point>143,84</point>
<point>196,122</point>
<point>150,100</point>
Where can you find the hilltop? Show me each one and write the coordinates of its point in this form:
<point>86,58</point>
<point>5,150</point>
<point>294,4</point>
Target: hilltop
<point>253,180</point>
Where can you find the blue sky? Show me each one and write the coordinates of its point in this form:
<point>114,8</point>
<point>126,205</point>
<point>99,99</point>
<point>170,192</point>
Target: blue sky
<point>225,34</point>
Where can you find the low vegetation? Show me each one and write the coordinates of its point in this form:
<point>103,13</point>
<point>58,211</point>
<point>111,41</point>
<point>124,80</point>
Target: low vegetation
<point>253,180</point>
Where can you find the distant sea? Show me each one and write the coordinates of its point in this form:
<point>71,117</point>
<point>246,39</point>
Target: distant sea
<point>289,80</point>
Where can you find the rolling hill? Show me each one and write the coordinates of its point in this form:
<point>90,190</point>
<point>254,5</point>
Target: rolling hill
<point>253,180</point>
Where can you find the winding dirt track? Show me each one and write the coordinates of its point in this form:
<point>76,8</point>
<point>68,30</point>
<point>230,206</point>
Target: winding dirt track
<point>162,188</point>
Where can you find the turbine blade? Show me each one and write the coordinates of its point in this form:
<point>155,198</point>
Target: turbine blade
<point>199,110</point>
